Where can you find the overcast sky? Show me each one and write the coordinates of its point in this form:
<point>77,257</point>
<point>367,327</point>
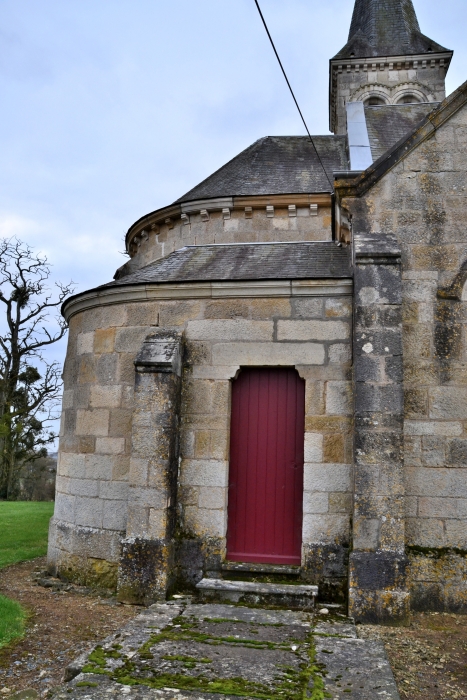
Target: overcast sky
<point>113,108</point>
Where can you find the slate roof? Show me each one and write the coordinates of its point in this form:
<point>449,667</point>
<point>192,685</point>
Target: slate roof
<point>386,28</point>
<point>245,261</point>
<point>276,165</point>
<point>388,124</point>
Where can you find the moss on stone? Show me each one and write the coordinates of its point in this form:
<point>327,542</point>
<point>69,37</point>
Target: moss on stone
<point>86,684</point>
<point>436,552</point>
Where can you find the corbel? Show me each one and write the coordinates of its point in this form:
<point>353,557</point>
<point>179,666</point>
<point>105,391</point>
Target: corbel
<point>373,67</point>
<point>185,219</point>
<point>169,223</point>
<point>381,66</point>
<point>391,66</point>
<point>225,213</point>
<point>144,236</point>
<point>204,215</point>
<point>248,212</point>
<point>160,352</point>
<point>415,65</point>
<point>270,211</point>
<point>344,234</point>
<point>292,210</point>
<point>313,210</point>
<point>423,64</point>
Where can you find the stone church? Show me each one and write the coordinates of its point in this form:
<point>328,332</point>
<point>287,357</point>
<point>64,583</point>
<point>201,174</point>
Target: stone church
<point>275,383</point>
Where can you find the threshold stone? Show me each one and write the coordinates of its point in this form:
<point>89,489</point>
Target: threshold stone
<point>281,595</point>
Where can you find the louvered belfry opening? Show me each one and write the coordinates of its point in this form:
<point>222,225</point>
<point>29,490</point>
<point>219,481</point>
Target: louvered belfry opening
<point>265,506</point>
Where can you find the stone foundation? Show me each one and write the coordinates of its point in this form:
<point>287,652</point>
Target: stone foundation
<point>438,580</point>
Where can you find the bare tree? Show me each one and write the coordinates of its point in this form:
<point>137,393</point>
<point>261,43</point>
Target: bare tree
<point>30,386</point>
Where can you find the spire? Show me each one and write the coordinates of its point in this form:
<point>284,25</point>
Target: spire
<point>386,28</point>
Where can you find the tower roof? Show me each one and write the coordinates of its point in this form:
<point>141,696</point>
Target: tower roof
<point>386,28</point>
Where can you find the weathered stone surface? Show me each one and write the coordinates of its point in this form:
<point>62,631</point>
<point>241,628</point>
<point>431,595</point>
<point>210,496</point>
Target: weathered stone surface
<point>179,649</point>
<point>282,595</point>
<point>378,571</point>
<point>271,354</point>
<point>235,330</point>
<point>313,330</point>
<point>372,679</point>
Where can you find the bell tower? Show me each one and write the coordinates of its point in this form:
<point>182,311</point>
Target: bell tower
<point>387,60</point>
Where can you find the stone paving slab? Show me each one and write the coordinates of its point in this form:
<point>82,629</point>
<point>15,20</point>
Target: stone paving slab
<point>221,652</point>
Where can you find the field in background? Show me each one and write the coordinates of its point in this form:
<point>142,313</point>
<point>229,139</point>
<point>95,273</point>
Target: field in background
<point>23,530</point>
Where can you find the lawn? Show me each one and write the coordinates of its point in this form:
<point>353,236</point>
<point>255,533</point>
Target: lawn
<point>23,530</point>
<point>23,536</point>
<point>12,618</point>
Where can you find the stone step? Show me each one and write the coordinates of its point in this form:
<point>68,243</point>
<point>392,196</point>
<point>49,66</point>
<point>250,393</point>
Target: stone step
<point>273,569</point>
<point>280,595</point>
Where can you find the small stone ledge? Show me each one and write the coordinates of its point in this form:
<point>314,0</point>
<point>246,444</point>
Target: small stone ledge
<point>241,567</point>
<point>280,595</point>
<point>377,248</point>
<point>252,587</point>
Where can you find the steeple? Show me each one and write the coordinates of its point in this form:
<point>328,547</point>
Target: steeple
<point>386,28</point>
<point>386,61</point>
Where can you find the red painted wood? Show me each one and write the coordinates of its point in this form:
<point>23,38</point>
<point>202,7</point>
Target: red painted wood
<point>266,467</point>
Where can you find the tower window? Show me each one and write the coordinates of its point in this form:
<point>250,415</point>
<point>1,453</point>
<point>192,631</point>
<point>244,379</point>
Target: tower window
<point>408,99</point>
<point>372,101</point>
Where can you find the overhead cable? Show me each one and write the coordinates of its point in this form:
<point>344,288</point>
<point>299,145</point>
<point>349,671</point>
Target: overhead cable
<point>293,94</point>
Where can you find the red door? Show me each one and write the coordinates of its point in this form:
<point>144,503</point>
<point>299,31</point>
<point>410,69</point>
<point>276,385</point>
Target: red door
<point>266,467</point>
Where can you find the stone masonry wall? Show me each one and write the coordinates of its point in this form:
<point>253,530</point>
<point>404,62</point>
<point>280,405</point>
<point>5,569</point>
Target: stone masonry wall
<point>423,201</point>
<point>312,333</point>
<point>356,80</point>
<point>304,225</point>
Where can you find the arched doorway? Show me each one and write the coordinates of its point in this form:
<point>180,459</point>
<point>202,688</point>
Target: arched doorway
<point>266,467</point>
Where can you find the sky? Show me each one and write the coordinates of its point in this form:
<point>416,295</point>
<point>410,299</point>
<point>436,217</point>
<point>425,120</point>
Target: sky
<point>111,109</point>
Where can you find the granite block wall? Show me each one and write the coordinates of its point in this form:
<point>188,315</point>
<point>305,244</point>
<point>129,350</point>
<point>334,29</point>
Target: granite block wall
<point>309,331</point>
<point>357,79</point>
<point>422,200</point>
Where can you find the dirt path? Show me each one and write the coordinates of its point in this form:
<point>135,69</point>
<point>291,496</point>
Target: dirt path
<point>429,658</point>
<point>62,624</point>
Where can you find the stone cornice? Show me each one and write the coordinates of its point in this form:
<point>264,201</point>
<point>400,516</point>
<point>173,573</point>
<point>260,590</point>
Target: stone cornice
<point>175,211</point>
<point>406,61</point>
<point>127,294</point>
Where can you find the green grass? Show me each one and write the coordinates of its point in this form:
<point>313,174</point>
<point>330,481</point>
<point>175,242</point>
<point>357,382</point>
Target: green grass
<point>12,620</point>
<point>23,531</point>
<point>23,536</point>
